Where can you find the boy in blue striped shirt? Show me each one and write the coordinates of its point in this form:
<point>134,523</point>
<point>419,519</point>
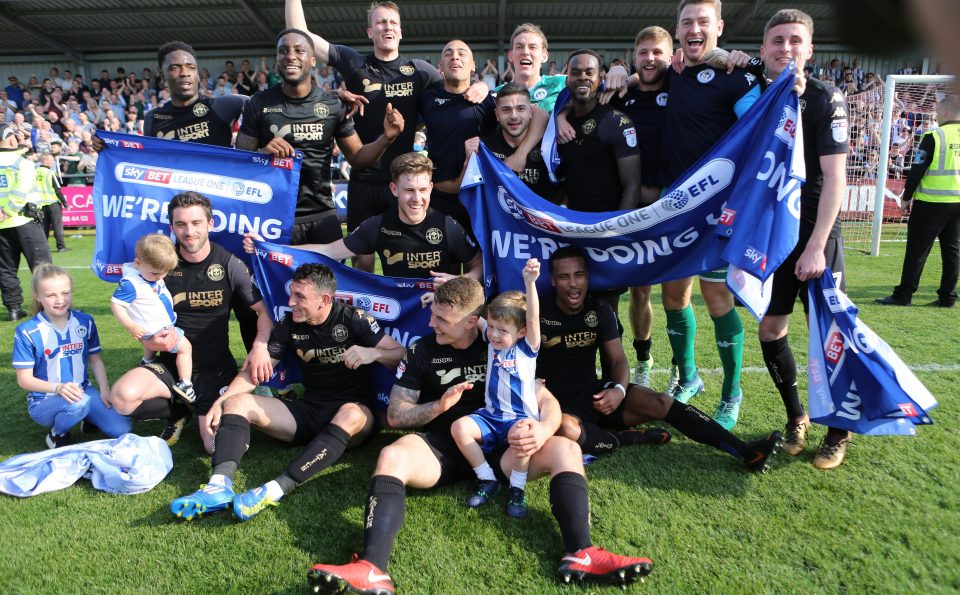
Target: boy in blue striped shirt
<point>512,331</point>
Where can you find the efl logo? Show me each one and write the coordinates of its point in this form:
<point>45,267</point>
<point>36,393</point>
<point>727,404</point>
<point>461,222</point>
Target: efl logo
<point>280,258</point>
<point>728,216</point>
<point>130,145</point>
<point>381,308</point>
<point>285,163</point>
<point>787,127</point>
<point>540,222</point>
<point>833,350</point>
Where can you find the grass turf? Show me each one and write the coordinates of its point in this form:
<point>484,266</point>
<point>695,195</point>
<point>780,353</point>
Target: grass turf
<point>888,520</point>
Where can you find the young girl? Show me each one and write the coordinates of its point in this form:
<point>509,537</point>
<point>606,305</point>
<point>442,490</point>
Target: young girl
<point>52,353</point>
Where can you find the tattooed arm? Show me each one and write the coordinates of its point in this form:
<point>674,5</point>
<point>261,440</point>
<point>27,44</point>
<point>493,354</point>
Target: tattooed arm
<point>404,412</point>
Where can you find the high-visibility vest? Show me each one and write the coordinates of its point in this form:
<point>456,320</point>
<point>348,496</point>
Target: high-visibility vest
<point>44,192</point>
<point>941,183</point>
<point>16,183</point>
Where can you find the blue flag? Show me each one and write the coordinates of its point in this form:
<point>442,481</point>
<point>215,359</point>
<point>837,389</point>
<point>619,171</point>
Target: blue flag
<point>856,381</point>
<point>137,176</point>
<point>739,204</point>
<point>394,302</point>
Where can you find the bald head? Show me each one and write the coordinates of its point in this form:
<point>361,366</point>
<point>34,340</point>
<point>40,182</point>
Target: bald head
<point>948,109</point>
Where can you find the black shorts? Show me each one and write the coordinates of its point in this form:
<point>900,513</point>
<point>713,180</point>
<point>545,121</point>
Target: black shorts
<point>582,408</point>
<point>208,384</point>
<point>786,286</point>
<point>319,229</point>
<point>312,415</point>
<point>453,467</point>
<point>367,199</point>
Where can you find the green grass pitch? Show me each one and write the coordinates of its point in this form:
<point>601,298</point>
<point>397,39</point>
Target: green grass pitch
<point>888,520</point>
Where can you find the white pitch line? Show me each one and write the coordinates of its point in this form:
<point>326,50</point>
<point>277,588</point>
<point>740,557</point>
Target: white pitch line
<point>802,370</point>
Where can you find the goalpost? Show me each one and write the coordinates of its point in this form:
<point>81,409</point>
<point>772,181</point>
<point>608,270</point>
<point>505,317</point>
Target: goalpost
<point>886,124</point>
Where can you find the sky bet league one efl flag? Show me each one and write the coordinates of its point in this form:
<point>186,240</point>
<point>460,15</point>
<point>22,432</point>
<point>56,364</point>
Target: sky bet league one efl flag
<point>393,302</point>
<point>856,380</point>
<point>137,176</point>
<point>739,205</point>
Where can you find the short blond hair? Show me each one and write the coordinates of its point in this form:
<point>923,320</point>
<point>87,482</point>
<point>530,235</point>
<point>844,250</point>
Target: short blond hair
<point>528,28</point>
<point>157,251</point>
<point>509,306</point>
<point>375,5</point>
<point>655,33</point>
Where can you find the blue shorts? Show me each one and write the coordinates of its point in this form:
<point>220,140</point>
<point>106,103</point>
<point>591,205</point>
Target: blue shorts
<point>493,430</point>
<point>176,346</point>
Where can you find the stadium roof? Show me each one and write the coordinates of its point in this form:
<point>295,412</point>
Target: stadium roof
<point>81,28</point>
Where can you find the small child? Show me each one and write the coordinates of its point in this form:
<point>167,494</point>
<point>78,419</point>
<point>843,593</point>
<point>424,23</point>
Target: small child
<point>144,307</point>
<point>52,353</point>
<point>512,331</point>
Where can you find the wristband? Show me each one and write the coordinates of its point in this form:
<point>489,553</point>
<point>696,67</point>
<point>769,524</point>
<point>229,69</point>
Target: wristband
<point>622,388</point>
<point>56,389</point>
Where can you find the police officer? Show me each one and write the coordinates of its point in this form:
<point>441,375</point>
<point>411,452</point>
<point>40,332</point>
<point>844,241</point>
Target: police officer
<point>18,233</point>
<point>931,198</point>
<point>47,195</point>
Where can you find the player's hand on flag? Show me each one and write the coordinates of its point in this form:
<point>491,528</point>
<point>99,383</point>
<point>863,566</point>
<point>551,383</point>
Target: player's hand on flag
<point>472,145</point>
<point>278,147</point>
<point>248,239</point>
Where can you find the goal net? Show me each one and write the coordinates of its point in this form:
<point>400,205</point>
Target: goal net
<point>886,123</point>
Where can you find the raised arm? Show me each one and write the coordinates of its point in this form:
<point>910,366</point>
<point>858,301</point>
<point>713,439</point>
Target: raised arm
<point>530,274</point>
<point>293,14</point>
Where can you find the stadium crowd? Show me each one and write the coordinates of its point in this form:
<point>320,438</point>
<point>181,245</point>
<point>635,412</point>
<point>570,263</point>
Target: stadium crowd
<point>468,387</point>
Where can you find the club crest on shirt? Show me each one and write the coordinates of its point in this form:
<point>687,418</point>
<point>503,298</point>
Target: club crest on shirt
<point>82,332</point>
<point>321,110</point>
<point>215,272</point>
<point>200,110</point>
<point>434,236</point>
<point>662,99</point>
<point>591,318</point>
<point>339,333</point>
<point>540,94</point>
<point>407,70</point>
<point>589,126</point>
<point>705,76</point>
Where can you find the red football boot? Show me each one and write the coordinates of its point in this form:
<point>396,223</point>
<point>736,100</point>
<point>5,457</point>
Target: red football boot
<point>597,564</point>
<point>359,576</point>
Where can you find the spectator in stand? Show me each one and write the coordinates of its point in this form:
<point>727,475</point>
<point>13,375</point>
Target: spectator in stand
<point>55,125</point>
<point>96,89</point>
<point>66,82</point>
<point>490,75</point>
<point>834,74</point>
<point>55,78</point>
<point>263,81</point>
<point>7,107</point>
<point>857,71</point>
<point>94,112</point>
<point>14,91</point>
<point>33,84</point>
<point>246,81</point>
<point>223,86</point>
<point>116,102</point>
<point>325,77</point>
<point>273,78</point>
<point>229,72</point>
<point>552,70</point>
<point>849,86</point>
<point>907,68</point>
<point>206,81</point>
<point>133,125</point>
<point>70,164</point>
